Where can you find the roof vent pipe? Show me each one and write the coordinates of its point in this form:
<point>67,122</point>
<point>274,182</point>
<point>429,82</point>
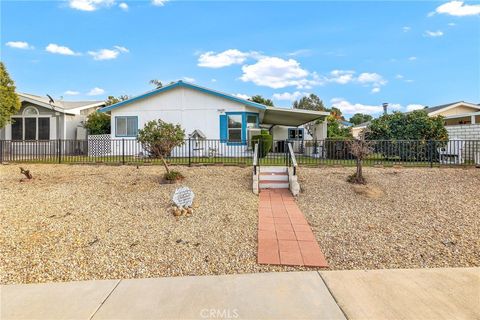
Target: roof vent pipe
<point>385,107</point>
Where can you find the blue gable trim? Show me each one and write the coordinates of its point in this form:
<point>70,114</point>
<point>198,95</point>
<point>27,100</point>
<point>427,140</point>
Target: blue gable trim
<point>185,85</point>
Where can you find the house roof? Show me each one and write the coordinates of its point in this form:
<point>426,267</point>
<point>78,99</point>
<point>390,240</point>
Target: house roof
<point>362,125</point>
<point>184,84</point>
<point>60,105</point>
<point>439,108</point>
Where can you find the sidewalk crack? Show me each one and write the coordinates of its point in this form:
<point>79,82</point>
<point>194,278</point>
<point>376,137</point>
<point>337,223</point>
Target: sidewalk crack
<point>108,296</point>
<point>333,296</point>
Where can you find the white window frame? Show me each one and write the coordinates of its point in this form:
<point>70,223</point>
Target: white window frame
<point>232,129</point>
<point>24,116</point>
<point>126,135</point>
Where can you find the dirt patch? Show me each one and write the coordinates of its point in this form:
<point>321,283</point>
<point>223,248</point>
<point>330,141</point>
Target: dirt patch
<point>368,191</point>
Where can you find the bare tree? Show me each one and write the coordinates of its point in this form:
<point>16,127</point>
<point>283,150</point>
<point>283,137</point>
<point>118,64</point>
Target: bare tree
<point>360,148</point>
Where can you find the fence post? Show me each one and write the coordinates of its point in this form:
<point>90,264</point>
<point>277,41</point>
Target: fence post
<point>1,151</point>
<point>189,151</point>
<point>123,151</point>
<point>430,152</point>
<point>59,151</point>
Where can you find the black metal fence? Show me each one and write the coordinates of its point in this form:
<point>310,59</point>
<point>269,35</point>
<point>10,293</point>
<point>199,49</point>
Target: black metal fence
<point>195,152</point>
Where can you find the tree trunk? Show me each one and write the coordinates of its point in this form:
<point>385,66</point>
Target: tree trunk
<point>165,164</point>
<point>359,171</point>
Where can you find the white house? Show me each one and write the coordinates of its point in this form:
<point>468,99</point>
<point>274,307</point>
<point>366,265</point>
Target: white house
<point>42,119</point>
<point>220,119</point>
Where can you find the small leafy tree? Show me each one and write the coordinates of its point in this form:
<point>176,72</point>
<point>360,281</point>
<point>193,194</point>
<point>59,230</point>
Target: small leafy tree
<point>335,130</point>
<point>159,138</point>
<point>311,102</point>
<point>157,83</point>
<point>358,118</point>
<point>112,100</point>
<point>98,123</point>
<point>259,99</point>
<point>360,148</point>
<point>9,102</point>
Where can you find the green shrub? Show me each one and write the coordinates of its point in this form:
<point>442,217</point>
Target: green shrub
<point>265,146</point>
<point>173,176</point>
<point>97,123</point>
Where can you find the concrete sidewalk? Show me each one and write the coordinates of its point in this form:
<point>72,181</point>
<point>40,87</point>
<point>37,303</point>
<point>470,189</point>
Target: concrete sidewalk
<point>392,294</point>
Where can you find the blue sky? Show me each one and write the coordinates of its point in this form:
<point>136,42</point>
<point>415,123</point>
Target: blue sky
<point>354,55</point>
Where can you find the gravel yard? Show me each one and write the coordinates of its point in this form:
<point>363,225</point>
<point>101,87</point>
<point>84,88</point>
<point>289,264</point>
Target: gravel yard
<point>406,218</point>
<point>76,222</point>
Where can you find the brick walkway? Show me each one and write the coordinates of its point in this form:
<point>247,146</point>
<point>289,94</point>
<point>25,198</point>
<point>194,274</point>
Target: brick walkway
<point>284,236</point>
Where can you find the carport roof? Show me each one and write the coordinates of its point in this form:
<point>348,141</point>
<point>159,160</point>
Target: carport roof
<point>291,117</point>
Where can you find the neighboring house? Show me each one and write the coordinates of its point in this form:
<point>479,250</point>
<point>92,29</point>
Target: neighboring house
<point>462,120</point>
<point>41,119</point>
<point>356,130</point>
<point>209,114</point>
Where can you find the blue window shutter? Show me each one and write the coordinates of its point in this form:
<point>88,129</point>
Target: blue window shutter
<point>223,127</point>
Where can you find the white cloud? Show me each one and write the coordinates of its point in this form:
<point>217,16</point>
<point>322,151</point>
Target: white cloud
<point>123,6</point>
<point>458,8</point>
<point>399,76</point>
<point>213,80</point>
<point>96,92</point>
<point>412,58</point>
<point>371,78</point>
<point>71,93</point>
<point>55,48</point>
<point>242,96</point>
<point>429,33</point>
<point>352,108</point>
<point>289,96</point>
<point>412,107</point>
<point>18,45</point>
<point>159,3</point>
<point>278,73</point>
<point>90,5</point>
<point>108,54</point>
<point>300,53</point>
<point>341,76</point>
<point>188,79</point>
<point>452,24</point>
<point>375,90</point>
<point>409,80</point>
<point>121,49</point>
<point>406,29</point>
<point>226,58</point>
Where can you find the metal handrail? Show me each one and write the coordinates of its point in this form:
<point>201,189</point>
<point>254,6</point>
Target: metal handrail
<point>255,158</point>
<point>292,158</point>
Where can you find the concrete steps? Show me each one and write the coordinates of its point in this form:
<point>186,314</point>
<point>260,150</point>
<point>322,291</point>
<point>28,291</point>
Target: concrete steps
<point>273,178</point>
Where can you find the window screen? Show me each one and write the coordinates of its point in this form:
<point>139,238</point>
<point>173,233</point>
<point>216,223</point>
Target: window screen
<point>17,129</point>
<point>126,126</point>
<point>43,128</point>
<point>30,128</point>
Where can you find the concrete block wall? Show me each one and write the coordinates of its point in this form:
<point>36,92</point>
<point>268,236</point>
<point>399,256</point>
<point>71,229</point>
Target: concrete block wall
<point>469,132</point>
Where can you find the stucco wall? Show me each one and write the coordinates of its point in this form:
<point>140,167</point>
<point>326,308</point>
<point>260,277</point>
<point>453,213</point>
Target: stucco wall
<point>189,108</point>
